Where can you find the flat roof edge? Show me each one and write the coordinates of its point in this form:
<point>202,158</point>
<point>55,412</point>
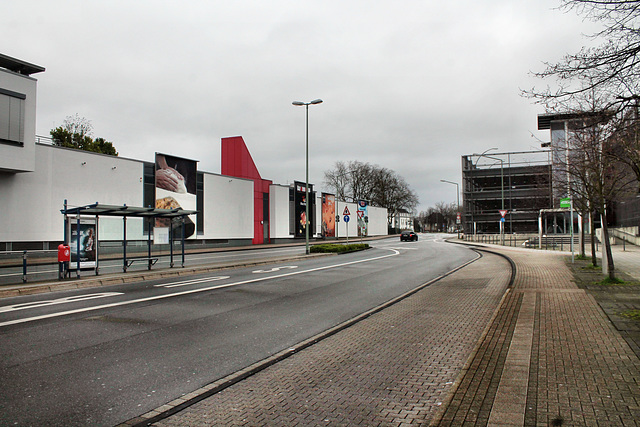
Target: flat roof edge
<point>19,66</point>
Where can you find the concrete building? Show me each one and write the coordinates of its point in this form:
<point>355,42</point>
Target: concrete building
<point>17,114</point>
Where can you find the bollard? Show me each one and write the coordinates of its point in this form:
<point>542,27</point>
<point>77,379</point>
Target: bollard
<point>24,267</point>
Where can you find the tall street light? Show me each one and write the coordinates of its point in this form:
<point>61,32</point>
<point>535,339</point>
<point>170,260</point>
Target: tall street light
<point>306,185</point>
<point>501,187</point>
<point>457,200</point>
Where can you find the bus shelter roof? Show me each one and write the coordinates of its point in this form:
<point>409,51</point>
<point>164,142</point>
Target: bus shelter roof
<point>98,209</point>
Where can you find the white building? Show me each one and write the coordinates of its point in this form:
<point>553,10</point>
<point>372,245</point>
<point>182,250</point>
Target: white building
<point>236,208</point>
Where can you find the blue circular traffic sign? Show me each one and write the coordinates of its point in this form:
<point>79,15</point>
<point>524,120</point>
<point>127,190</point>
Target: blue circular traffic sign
<point>346,218</point>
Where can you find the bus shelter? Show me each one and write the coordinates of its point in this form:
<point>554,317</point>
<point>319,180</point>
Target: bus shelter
<point>74,217</point>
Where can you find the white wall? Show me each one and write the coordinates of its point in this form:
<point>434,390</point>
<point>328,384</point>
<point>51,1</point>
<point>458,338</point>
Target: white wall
<point>14,158</point>
<point>31,202</point>
<point>228,207</point>
<point>341,229</point>
<point>279,212</point>
<point>378,221</point>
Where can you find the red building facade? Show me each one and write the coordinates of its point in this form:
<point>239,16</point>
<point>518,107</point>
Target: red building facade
<point>237,161</point>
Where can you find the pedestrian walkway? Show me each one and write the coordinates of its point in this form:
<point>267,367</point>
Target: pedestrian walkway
<point>565,363</point>
<point>464,351</point>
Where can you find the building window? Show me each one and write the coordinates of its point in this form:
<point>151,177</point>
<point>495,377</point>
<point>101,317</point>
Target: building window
<point>12,117</point>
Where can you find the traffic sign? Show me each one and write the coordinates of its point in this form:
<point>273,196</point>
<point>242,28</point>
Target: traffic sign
<point>346,217</point>
<point>565,203</point>
<point>346,211</point>
<point>503,212</point>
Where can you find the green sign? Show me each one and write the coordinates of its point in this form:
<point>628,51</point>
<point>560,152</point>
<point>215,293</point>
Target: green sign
<point>565,203</point>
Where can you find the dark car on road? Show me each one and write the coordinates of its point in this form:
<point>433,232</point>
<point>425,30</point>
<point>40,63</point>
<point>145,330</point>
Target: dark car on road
<point>408,235</point>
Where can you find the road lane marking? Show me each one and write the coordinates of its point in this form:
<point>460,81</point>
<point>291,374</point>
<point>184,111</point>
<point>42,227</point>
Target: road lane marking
<point>274,269</point>
<point>191,282</point>
<point>191,291</point>
<point>66,300</point>
<point>401,248</point>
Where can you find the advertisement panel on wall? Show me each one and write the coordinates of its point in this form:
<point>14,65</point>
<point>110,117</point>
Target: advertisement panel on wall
<point>328,215</point>
<point>87,237</point>
<point>176,188</point>
<point>363,218</point>
<point>300,204</point>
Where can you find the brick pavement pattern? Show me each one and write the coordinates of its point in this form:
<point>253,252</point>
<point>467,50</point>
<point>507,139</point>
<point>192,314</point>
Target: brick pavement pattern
<point>393,368</point>
<point>581,370</point>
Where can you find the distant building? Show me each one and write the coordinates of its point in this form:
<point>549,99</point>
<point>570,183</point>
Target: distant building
<point>518,183</point>
<point>620,213</point>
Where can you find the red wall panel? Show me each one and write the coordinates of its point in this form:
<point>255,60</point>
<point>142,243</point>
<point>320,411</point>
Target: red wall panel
<point>237,161</point>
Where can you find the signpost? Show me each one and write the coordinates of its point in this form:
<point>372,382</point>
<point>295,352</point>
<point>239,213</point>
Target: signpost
<point>346,226</point>
<point>567,203</point>
<point>345,215</point>
<point>503,212</point>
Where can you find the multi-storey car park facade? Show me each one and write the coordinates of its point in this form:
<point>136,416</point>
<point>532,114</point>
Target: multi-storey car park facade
<point>519,183</point>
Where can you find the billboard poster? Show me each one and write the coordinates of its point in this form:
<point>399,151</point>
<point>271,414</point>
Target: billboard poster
<point>363,218</point>
<point>176,188</point>
<point>87,235</point>
<point>300,213</point>
<point>328,215</point>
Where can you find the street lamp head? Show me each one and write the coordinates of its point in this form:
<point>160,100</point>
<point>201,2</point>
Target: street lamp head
<point>315,101</point>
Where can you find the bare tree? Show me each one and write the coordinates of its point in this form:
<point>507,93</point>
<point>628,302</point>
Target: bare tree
<point>601,85</point>
<point>591,173</point>
<point>448,211</point>
<point>611,69</point>
<point>352,180</point>
<point>382,187</point>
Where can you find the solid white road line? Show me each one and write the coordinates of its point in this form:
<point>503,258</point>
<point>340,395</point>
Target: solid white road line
<point>191,282</point>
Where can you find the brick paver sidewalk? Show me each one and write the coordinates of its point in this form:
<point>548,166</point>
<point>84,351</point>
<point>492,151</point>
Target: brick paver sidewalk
<point>393,368</point>
<point>565,364</point>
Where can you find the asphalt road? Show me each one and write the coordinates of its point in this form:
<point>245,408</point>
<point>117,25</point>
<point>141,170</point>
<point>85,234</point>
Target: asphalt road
<point>103,356</point>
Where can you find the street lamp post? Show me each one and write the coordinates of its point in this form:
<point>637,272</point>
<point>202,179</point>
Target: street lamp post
<point>457,201</point>
<point>501,187</point>
<point>306,184</point>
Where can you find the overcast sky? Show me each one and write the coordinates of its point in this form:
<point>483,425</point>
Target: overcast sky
<point>407,85</point>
